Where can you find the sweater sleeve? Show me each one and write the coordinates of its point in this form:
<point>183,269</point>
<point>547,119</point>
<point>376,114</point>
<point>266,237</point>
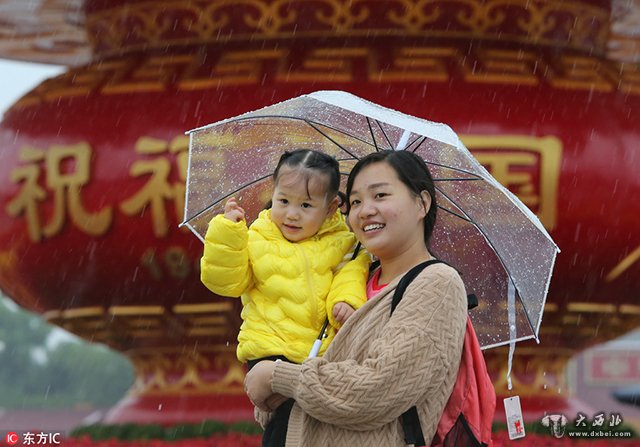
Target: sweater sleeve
<point>225,267</point>
<point>416,356</point>
<point>349,284</point>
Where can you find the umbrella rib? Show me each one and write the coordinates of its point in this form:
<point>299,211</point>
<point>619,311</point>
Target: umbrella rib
<point>411,144</point>
<point>455,214</point>
<point>468,219</point>
<point>418,145</point>
<point>456,179</point>
<point>476,176</point>
<point>444,166</point>
<point>373,137</point>
<point>385,134</point>
<point>201,212</point>
<point>330,139</point>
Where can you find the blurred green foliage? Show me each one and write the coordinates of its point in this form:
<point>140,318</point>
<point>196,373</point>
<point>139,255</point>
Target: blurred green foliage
<point>36,373</point>
<point>203,429</point>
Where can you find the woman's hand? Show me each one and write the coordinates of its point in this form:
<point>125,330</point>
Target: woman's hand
<point>233,211</point>
<point>342,311</point>
<point>274,401</point>
<point>257,385</point>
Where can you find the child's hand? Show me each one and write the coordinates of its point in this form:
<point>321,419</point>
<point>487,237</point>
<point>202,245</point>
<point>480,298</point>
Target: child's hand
<point>233,211</point>
<point>342,311</point>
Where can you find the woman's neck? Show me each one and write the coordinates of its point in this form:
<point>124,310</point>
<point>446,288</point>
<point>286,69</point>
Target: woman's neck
<point>394,266</point>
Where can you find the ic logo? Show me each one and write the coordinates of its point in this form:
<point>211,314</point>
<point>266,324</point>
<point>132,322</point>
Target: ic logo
<point>12,438</point>
<point>556,424</point>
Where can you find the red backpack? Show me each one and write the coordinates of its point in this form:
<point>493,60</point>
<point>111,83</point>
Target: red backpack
<point>468,415</point>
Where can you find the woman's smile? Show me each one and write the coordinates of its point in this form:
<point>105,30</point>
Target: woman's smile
<point>372,227</point>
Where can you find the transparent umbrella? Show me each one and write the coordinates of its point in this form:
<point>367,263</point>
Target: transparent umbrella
<point>500,248</point>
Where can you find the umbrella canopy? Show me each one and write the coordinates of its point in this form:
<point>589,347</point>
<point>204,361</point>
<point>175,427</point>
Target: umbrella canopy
<point>502,251</point>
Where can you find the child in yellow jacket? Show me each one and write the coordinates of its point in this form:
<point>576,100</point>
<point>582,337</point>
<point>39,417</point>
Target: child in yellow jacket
<point>292,266</point>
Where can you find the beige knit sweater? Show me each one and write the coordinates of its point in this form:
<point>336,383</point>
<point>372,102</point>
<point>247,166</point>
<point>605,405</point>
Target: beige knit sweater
<point>379,366</point>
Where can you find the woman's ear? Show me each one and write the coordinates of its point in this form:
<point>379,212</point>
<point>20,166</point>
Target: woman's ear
<point>425,197</point>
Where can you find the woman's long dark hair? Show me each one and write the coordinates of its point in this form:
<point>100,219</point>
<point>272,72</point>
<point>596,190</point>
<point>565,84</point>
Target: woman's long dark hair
<point>412,171</point>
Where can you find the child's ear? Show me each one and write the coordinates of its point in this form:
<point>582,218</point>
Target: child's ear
<point>333,206</point>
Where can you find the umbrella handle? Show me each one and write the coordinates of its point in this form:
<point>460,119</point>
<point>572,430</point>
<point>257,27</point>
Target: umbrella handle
<point>315,348</point>
<point>318,342</point>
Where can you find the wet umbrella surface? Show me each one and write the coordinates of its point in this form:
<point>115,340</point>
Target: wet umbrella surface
<point>500,248</point>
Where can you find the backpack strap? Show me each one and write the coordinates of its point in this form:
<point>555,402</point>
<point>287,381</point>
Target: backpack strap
<point>410,419</point>
<point>406,280</point>
<point>472,299</point>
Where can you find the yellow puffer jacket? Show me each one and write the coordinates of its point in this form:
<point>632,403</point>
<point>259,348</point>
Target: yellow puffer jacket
<point>287,288</point>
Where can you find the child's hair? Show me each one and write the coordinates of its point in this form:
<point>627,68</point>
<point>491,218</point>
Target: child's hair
<point>312,160</point>
<point>412,171</point>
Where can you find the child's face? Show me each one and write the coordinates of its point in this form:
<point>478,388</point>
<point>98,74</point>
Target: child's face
<point>300,204</point>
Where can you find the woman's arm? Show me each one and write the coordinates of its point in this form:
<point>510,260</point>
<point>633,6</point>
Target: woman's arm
<point>225,268</point>
<point>415,356</point>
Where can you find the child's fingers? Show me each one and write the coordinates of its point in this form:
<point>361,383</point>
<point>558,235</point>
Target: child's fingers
<point>231,204</point>
<point>342,312</point>
<point>233,211</point>
<point>339,313</point>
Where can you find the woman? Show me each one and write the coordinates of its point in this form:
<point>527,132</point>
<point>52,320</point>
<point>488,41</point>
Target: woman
<point>379,365</point>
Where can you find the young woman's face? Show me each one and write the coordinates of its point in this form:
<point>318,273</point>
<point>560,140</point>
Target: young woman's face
<point>385,215</point>
<point>297,214</point>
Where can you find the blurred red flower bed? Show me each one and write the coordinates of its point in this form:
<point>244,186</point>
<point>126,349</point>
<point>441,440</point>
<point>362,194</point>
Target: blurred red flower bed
<point>500,439</point>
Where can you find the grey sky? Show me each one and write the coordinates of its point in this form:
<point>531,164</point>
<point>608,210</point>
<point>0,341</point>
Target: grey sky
<point>17,78</point>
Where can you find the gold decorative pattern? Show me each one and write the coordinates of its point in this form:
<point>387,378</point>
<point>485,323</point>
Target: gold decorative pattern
<point>56,31</point>
<point>272,17</point>
<point>415,16</point>
<point>200,323</point>
<point>589,323</point>
<point>537,186</point>
<point>344,16</point>
<point>187,371</point>
<point>624,265</point>
<point>591,307</point>
<point>534,373</point>
<point>630,309</point>
<point>159,24</point>
<point>480,17</point>
<point>502,67</point>
<point>389,64</point>
<point>117,326</point>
